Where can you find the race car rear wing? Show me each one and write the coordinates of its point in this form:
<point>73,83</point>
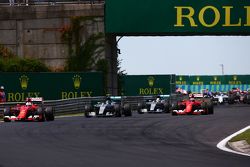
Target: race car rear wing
<point>196,95</point>
<point>35,100</point>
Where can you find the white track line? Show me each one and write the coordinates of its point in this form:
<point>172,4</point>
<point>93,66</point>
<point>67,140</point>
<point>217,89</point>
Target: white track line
<point>222,144</point>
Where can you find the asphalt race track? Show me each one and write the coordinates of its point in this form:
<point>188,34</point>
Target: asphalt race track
<point>149,140</point>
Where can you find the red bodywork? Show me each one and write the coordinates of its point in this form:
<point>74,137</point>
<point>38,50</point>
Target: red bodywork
<point>24,113</point>
<point>189,107</point>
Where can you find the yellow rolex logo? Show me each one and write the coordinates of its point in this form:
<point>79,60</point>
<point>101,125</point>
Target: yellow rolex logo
<point>215,78</point>
<point>24,82</point>
<point>151,81</point>
<point>235,78</point>
<point>180,78</point>
<point>77,81</point>
<point>198,78</point>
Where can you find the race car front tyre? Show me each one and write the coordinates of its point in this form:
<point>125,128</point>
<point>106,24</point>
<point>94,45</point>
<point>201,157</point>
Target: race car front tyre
<point>87,110</point>
<point>6,113</point>
<point>140,107</point>
<point>49,114</point>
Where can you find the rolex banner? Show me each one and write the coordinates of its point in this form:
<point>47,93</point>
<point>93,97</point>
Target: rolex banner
<point>144,85</point>
<point>51,86</point>
<point>215,83</point>
<point>177,17</point>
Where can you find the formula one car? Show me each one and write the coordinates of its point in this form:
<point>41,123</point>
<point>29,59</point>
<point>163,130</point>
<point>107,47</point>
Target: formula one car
<point>111,107</point>
<point>220,98</point>
<point>159,104</point>
<point>32,110</point>
<point>246,98</point>
<point>235,96</point>
<point>195,105</point>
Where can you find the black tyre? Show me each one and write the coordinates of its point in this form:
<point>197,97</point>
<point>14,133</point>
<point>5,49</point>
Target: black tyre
<point>174,113</point>
<point>174,106</point>
<point>210,108</point>
<point>140,107</point>
<point>87,110</point>
<point>230,100</point>
<point>49,114</point>
<point>117,109</point>
<point>6,112</point>
<point>248,99</point>
<point>41,114</point>
<point>205,108</point>
<point>127,110</point>
<point>166,107</point>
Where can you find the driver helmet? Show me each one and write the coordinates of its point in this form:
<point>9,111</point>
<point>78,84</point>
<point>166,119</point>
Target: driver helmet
<point>28,102</point>
<point>108,100</point>
<point>2,87</point>
<point>191,98</point>
<point>158,99</point>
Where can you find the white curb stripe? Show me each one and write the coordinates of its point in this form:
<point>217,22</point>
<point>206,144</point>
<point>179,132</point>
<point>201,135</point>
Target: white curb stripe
<point>222,144</point>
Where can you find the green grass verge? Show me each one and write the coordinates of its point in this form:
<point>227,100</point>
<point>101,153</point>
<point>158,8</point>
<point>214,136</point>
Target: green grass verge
<point>243,136</point>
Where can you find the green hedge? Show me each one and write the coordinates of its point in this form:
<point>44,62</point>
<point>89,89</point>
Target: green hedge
<point>11,63</point>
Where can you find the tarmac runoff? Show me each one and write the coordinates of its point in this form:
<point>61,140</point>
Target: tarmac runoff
<point>239,147</point>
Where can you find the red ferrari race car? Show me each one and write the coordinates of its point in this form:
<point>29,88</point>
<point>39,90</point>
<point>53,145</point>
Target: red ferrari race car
<point>32,110</point>
<point>197,104</point>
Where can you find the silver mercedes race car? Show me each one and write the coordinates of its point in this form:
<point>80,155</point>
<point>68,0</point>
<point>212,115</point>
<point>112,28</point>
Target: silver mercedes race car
<point>111,107</point>
<point>151,104</point>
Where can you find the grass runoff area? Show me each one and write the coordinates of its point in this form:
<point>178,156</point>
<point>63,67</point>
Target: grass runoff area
<point>243,136</point>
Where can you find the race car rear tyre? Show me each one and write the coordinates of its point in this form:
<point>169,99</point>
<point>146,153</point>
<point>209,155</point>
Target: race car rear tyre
<point>127,110</point>
<point>174,106</point>
<point>117,109</point>
<point>6,112</point>
<point>174,113</point>
<point>49,114</point>
<point>231,99</point>
<point>41,114</point>
<point>210,108</point>
<point>204,106</point>
<point>87,110</point>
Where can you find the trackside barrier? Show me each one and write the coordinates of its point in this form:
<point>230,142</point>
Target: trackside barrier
<point>65,106</point>
<point>76,105</point>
